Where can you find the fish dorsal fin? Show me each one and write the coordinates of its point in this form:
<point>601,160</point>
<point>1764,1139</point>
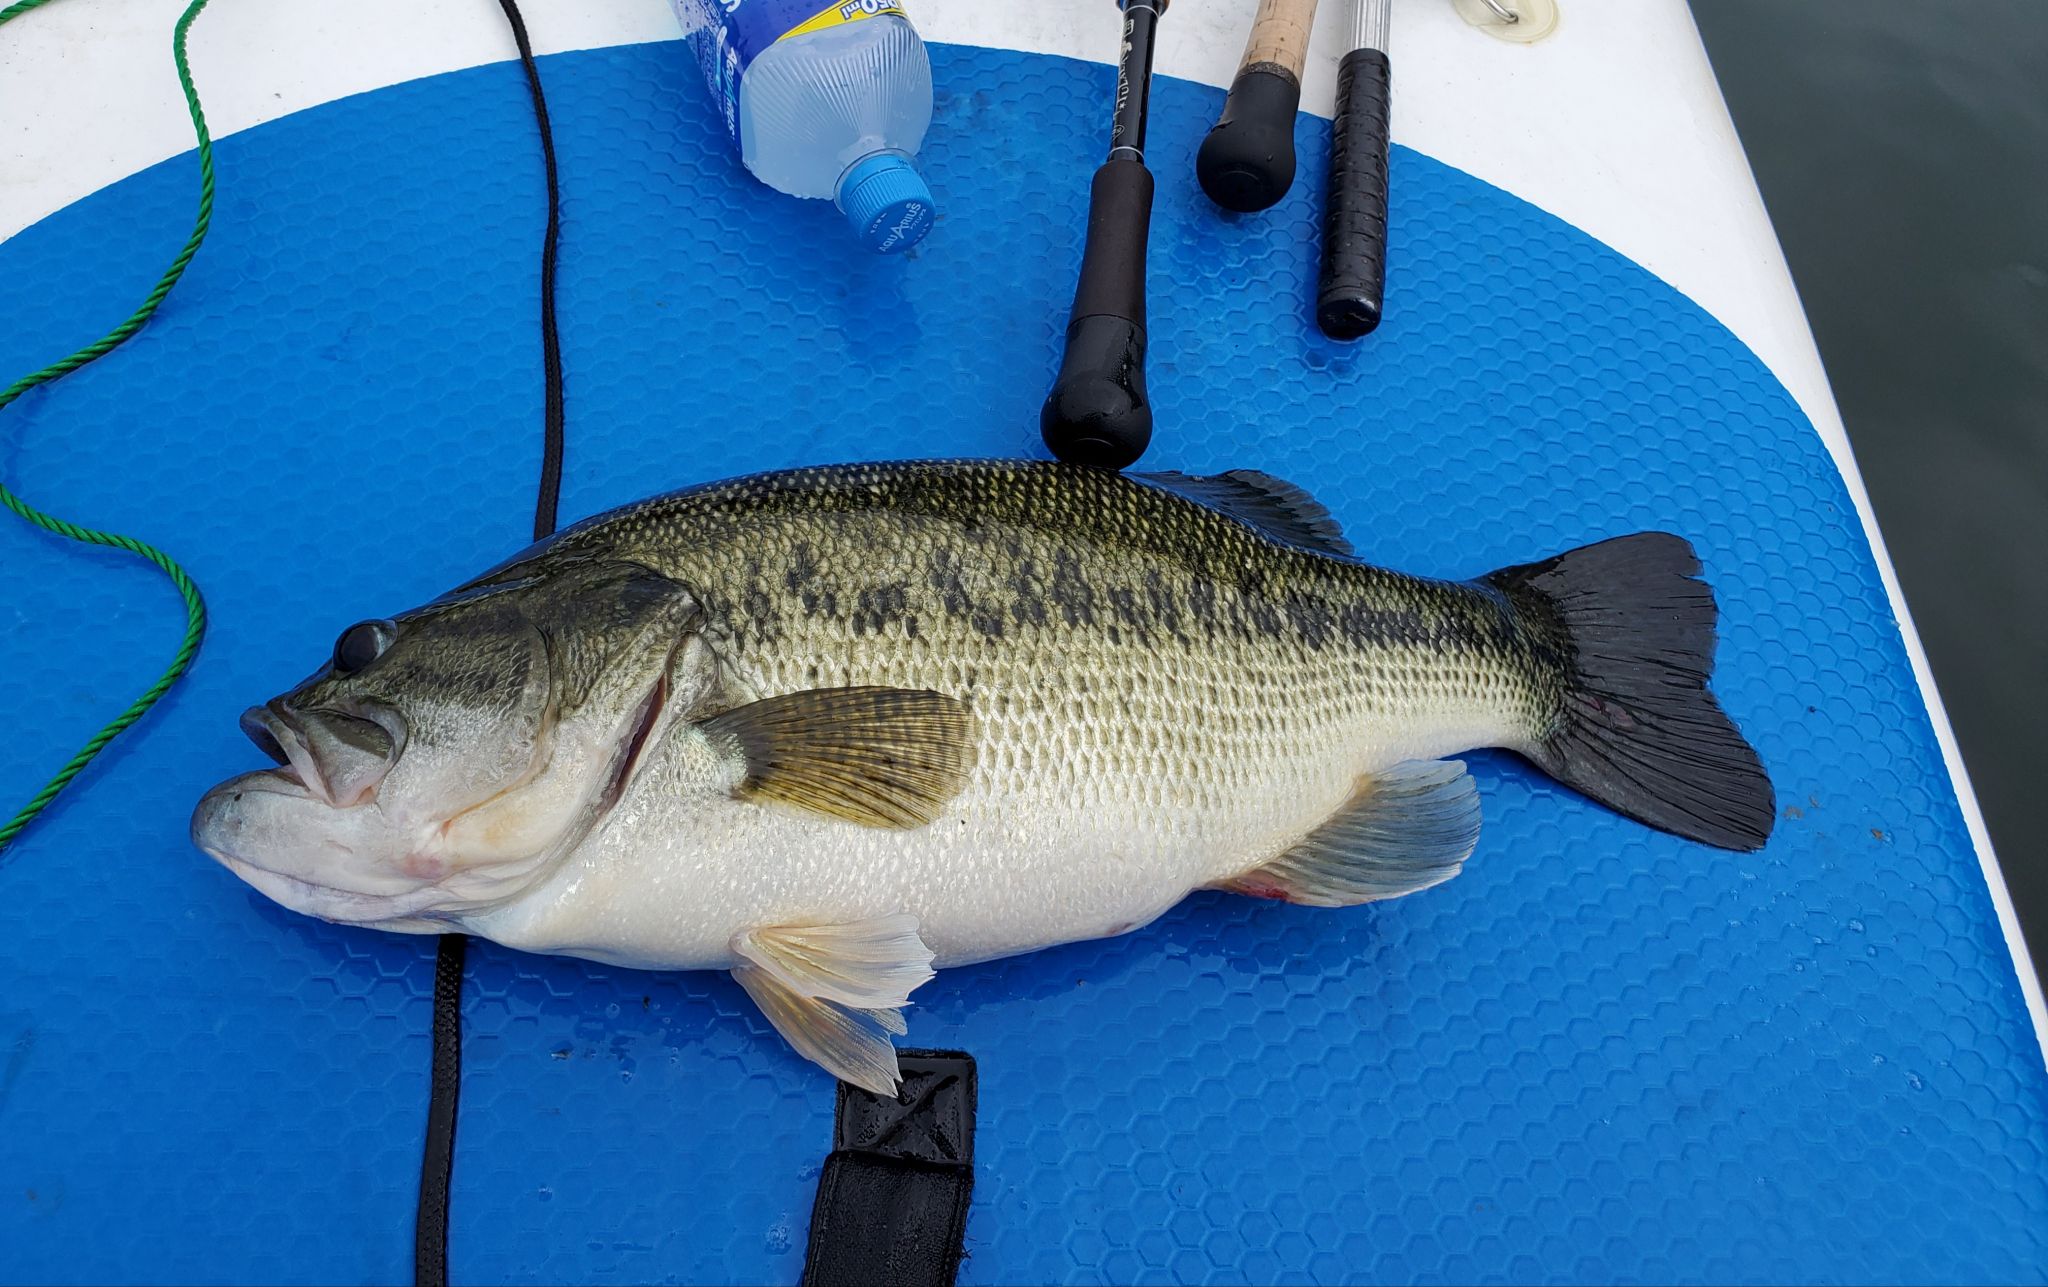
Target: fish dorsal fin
<point>1273,505</point>
<point>881,757</point>
<point>1405,829</point>
<point>835,992</point>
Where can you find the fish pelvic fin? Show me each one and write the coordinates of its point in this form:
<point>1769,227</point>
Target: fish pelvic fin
<point>880,757</point>
<point>1405,829</point>
<point>836,992</point>
<point>1623,633</point>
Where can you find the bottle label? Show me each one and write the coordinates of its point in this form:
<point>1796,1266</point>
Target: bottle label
<point>730,34</point>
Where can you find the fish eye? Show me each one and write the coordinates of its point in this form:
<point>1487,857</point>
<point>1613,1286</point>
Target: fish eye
<point>361,644</point>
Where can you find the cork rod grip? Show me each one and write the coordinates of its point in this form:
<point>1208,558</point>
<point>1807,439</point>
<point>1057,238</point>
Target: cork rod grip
<point>1280,36</point>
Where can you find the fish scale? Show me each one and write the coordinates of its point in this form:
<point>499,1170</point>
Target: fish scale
<point>1127,752</point>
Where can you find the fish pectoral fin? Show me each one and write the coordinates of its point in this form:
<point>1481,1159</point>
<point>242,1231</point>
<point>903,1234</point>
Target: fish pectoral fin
<point>1405,829</point>
<point>835,992</point>
<point>881,757</point>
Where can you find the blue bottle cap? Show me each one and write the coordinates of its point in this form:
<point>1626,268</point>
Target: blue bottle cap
<point>887,203</point>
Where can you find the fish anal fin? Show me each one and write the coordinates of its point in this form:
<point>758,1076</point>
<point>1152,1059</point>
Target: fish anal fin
<point>880,757</point>
<point>1275,506</point>
<point>1405,829</point>
<point>835,991</point>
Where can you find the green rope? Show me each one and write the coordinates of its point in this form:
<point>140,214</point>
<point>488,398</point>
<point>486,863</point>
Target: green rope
<point>195,607</point>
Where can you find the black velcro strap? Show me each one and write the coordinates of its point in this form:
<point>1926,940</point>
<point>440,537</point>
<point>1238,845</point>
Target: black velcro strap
<point>892,1202</point>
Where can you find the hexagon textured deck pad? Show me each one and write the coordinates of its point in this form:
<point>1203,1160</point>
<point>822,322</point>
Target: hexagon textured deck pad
<point>1599,1053</point>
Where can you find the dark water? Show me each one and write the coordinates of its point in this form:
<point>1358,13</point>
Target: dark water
<point>1902,147</point>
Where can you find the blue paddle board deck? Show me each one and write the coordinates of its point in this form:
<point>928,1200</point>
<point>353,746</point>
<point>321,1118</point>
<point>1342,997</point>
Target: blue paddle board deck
<point>1600,1053</point>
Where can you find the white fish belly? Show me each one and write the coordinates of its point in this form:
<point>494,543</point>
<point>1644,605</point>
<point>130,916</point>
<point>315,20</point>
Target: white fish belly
<point>1012,867</point>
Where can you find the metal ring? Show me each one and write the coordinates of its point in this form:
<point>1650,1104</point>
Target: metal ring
<point>1501,11</point>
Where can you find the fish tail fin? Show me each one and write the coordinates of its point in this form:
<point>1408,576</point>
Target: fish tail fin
<point>1623,636</point>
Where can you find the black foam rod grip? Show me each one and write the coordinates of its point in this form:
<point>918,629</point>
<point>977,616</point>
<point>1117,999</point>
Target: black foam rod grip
<point>1349,296</point>
<point>1247,161</point>
<point>1097,413</point>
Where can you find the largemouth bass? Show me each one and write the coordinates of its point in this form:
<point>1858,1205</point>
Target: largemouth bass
<point>832,728</point>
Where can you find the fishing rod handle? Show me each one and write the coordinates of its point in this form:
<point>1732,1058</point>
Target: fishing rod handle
<point>1247,161</point>
<point>1097,412</point>
<point>1348,296</point>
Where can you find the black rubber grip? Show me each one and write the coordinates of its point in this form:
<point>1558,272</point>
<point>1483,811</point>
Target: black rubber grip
<point>1355,217</point>
<point>1097,413</point>
<point>1247,162</point>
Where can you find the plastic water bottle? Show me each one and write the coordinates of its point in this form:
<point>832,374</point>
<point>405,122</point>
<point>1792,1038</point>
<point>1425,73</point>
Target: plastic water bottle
<point>825,103</point>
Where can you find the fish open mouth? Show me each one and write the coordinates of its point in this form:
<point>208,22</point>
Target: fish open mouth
<point>256,723</point>
<point>278,735</point>
<point>335,757</point>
